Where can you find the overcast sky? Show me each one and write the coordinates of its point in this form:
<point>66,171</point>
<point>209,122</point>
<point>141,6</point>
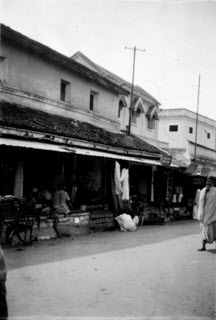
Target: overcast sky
<point>179,38</point>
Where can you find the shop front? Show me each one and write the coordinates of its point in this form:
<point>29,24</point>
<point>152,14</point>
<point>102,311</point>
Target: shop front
<point>88,177</point>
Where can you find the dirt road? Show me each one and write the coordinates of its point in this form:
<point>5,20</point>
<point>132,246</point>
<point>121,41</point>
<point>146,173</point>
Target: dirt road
<point>153,272</point>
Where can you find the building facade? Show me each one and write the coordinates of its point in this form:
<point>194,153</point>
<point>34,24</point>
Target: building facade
<point>144,113</point>
<point>59,122</point>
<point>191,138</point>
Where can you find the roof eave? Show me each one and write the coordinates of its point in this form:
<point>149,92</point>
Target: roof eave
<point>59,58</point>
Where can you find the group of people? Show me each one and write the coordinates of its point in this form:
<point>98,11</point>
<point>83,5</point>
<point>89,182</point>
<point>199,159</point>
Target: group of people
<point>59,201</point>
<point>206,214</point>
<point>204,211</point>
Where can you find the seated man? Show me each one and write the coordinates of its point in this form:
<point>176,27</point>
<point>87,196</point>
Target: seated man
<point>61,200</point>
<point>126,223</point>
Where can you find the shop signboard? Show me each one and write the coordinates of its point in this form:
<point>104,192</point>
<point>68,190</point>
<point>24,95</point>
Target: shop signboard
<point>166,160</point>
<point>205,171</point>
<point>192,167</point>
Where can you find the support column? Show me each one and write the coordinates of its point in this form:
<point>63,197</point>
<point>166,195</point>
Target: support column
<point>74,186</point>
<point>18,183</point>
<point>152,183</point>
<point>105,184</point>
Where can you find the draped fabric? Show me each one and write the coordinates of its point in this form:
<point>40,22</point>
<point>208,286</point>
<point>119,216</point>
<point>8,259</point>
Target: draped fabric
<point>209,232</point>
<point>117,176</point>
<point>207,214</point>
<point>196,204</point>
<point>207,206</point>
<point>126,223</point>
<point>125,184</point>
<point>121,181</point>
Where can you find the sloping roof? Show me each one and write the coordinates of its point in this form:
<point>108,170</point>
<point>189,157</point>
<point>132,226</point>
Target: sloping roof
<point>138,104</point>
<point>134,102</point>
<point>137,90</point>
<point>152,111</point>
<point>22,117</point>
<point>37,47</point>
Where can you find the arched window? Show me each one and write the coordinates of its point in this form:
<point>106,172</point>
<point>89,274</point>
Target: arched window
<point>121,106</point>
<point>152,116</point>
<point>151,122</point>
<point>133,116</point>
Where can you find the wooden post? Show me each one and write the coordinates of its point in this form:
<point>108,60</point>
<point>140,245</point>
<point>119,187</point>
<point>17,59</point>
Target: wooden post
<point>74,187</point>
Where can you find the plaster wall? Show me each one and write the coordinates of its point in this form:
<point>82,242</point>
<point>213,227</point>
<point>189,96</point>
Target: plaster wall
<point>139,128</point>
<point>30,72</point>
<point>186,119</point>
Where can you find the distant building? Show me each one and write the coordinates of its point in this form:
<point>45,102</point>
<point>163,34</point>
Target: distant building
<point>191,142</point>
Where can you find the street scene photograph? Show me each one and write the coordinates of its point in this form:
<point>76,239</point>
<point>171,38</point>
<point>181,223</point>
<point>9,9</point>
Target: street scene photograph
<point>107,160</point>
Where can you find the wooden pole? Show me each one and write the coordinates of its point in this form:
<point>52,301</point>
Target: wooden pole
<point>197,117</point>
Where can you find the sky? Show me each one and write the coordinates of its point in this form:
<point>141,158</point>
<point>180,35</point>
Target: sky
<point>179,39</point>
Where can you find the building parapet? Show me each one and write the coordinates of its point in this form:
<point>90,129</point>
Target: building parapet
<point>14,95</point>
<point>182,112</point>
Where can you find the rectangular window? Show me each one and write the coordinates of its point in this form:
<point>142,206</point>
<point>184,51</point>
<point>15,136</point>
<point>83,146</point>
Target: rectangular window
<point>91,103</point>
<point>64,91</point>
<point>190,130</point>
<point>92,100</point>
<point>173,128</point>
<point>208,135</point>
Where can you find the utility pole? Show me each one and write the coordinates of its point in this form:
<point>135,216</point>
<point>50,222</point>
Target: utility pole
<point>197,115</point>
<point>132,86</point>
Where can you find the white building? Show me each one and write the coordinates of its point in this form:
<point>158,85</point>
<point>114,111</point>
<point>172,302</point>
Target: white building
<point>191,139</point>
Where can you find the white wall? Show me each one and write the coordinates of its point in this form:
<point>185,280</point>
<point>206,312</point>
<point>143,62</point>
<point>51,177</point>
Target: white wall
<point>185,119</point>
<point>32,73</point>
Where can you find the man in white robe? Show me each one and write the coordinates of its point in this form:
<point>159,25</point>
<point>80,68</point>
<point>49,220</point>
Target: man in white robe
<point>207,214</point>
<point>126,222</point>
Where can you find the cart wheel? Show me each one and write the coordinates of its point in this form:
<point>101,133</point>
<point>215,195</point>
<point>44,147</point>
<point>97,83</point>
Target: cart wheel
<point>28,226</point>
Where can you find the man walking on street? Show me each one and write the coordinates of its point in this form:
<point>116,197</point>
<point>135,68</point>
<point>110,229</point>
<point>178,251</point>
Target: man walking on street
<point>207,213</point>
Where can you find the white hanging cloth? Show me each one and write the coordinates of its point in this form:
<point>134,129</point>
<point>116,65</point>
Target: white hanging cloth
<point>125,184</point>
<point>117,177</point>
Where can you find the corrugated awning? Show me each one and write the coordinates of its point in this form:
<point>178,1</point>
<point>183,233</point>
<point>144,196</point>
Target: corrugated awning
<point>68,149</point>
<point>96,153</point>
<point>31,144</point>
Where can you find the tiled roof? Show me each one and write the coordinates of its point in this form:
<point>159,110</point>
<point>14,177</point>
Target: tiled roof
<point>21,117</point>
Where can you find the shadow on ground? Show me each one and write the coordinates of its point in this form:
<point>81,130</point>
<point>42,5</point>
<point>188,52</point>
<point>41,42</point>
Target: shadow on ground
<point>65,248</point>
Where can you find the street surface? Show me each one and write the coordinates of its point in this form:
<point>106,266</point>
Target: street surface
<point>155,272</point>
